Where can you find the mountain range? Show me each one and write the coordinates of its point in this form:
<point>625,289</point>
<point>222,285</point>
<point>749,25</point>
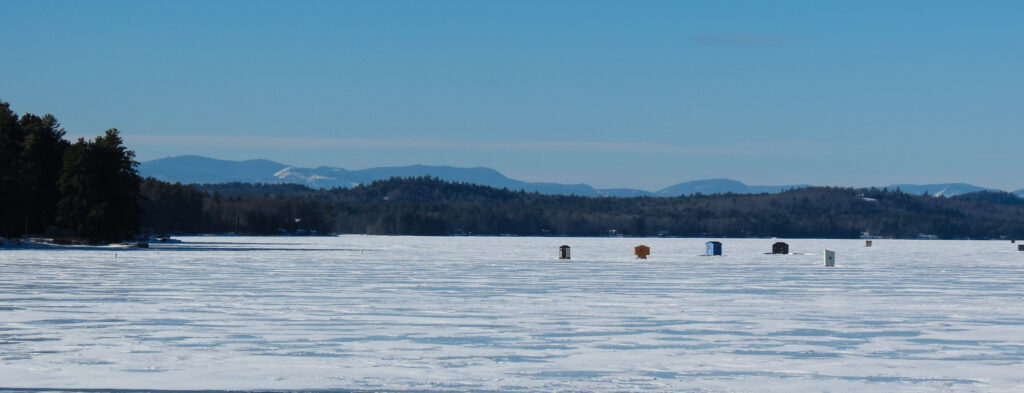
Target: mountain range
<point>203,170</point>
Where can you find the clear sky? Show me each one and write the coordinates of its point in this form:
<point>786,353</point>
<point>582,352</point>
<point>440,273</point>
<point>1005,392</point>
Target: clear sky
<point>614,94</point>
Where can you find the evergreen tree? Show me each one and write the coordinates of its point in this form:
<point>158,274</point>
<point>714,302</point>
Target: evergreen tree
<point>12,198</point>
<point>100,189</point>
<point>42,158</point>
<point>121,182</point>
<point>77,207</point>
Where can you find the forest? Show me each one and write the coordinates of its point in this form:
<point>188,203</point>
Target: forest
<point>87,189</point>
<point>90,190</point>
<point>426,206</point>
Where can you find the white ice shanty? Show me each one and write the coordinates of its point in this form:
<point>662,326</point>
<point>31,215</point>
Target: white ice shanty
<point>830,258</point>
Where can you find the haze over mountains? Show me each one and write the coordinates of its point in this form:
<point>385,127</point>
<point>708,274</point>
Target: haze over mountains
<point>199,170</point>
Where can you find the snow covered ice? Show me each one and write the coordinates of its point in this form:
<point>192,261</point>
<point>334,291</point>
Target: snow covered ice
<point>504,314</point>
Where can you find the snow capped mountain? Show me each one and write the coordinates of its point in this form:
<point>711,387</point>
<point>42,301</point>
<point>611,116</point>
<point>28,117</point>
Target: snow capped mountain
<point>322,177</point>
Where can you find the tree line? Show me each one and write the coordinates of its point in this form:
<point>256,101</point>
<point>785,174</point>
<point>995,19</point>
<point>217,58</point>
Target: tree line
<point>49,185</point>
<point>428,206</point>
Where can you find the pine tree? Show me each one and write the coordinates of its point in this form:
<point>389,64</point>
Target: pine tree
<point>12,198</point>
<point>42,158</point>
<point>122,182</point>
<point>77,207</point>
<point>99,189</point>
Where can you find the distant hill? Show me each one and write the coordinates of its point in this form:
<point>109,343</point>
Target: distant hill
<point>204,170</point>
<point>945,189</point>
<point>993,197</point>
<point>623,192</point>
<point>196,169</point>
<point>721,186</point>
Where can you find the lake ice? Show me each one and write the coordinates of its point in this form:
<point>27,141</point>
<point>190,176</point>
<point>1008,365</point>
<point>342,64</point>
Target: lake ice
<point>504,314</point>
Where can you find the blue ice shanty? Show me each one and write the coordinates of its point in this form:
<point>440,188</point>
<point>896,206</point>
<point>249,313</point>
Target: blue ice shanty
<point>713,248</point>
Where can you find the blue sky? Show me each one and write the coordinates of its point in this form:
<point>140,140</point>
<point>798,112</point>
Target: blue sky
<point>614,94</point>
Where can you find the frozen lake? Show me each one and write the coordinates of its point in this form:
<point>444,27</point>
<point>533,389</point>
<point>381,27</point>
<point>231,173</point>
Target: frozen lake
<point>504,314</point>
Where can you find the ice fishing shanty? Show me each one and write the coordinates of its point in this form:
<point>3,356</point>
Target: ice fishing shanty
<point>780,248</point>
<point>830,258</point>
<point>1020,247</point>
<point>713,248</point>
<point>563,252</point>
<point>641,251</point>
<point>867,243</point>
